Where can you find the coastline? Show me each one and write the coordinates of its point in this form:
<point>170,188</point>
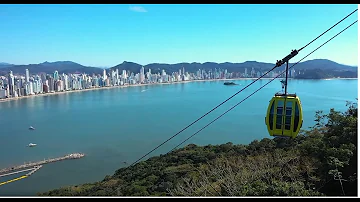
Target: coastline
<point>110,87</point>
<point>128,85</point>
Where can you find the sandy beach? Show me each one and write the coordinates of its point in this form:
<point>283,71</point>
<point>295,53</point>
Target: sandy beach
<point>131,85</point>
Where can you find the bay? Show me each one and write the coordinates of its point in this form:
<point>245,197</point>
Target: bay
<point>117,125</point>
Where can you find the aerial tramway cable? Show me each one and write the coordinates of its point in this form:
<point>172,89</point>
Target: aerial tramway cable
<point>328,29</point>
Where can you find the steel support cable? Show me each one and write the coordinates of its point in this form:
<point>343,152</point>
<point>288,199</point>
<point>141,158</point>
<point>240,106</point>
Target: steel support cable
<point>328,29</point>
<point>260,88</point>
<point>277,65</point>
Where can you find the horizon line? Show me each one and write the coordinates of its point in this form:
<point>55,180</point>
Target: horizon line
<point>107,67</point>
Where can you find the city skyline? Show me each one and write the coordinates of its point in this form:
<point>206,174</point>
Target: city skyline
<point>144,34</point>
<point>27,84</point>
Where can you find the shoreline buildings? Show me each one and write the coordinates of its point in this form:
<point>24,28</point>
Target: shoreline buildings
<point>25,85</point>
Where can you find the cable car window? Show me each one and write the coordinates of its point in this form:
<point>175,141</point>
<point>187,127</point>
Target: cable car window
<point>271,116</point>
<point>288,108</point>
<point>288,115</point>
<point>296,118</point>
<point>279,111</point>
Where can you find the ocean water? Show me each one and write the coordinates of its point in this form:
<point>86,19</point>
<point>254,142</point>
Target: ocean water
<point>117,125</point>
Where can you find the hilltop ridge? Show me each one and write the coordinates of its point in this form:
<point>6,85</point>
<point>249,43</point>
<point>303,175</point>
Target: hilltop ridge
<point>311,68</point>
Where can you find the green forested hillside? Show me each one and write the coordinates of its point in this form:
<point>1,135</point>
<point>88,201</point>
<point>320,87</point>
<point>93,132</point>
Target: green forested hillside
<point>319,162</point>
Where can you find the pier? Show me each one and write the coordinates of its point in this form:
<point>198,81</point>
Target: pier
<point>13,180</point>
<point>16,172</point>
<point>34,169</point>
<point>38,164</point>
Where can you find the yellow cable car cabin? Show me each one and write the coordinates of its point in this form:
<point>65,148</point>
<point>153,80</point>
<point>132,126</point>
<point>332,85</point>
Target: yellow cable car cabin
<point>284,123</point>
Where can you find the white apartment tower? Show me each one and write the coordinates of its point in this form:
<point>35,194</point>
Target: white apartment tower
<point>27,75</point>
<point>104,75</point>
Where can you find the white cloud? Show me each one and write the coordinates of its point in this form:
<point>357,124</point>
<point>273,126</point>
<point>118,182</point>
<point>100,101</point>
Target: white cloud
<point>138,9</point>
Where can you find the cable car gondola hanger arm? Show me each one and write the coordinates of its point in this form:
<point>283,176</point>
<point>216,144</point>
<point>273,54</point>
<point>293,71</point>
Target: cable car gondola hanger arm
<point>287,58</point>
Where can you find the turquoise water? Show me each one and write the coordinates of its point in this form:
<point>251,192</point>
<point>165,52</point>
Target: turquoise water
<point>122,124</point>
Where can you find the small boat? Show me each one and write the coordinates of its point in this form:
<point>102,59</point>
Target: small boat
<point>32,145</point>
<point>31,128</point>
<point>229,83</point>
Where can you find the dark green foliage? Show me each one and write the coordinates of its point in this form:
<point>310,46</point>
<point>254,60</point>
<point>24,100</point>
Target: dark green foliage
<point>321,161</point>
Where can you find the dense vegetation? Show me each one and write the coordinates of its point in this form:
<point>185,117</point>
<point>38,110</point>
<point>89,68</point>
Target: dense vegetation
<point>325,74</point>
<point>321,161</point>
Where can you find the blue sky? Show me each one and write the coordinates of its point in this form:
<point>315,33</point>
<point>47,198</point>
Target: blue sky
<point>107,35</point>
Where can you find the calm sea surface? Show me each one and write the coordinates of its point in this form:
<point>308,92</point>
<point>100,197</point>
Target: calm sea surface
<point>121,124</point>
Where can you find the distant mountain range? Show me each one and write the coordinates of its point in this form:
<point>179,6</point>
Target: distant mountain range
<point>320,67</point>
<point>49,67</point>
<point>4,64</point>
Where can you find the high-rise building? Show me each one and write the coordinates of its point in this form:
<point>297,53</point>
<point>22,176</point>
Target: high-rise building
<point>124,74</point>
<point>56,75</point>
<point>31,89</point>
<point>51,84</point>
<point>11,83</point>
<point>117,77</point>
<point>27,76</point>
<point>142,74</point>
<point>66,83</point>
<point>104,75</point>
<point>43,77</point>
